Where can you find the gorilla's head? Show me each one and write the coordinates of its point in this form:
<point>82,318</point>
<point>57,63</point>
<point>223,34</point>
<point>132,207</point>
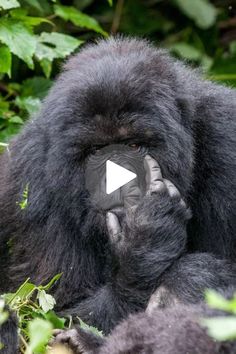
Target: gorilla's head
<point>119,91</point>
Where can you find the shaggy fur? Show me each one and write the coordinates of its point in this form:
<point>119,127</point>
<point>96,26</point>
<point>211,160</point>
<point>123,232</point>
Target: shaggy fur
<point>119,91</point>
<point>176,330</point>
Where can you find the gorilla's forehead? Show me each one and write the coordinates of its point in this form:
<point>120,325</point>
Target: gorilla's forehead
<point>114,80</point>
<point>119,106</point>
<point>117,90</point>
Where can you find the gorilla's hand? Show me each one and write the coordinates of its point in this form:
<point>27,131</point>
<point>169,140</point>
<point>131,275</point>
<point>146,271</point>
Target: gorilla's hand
<point>146,241</point>
<point>153,233</point>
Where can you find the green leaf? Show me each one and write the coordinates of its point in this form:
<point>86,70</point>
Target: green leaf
<point>54,45</point>
<point>3,314</point>
<point>217,301</point>
<point>221,328</point>
<point>4,144</point>
<point>37,86</point>
<point>35,4</point>
<point>202,12</point>
<point>92,329</point>
<point>16,120</point>
<point>52,281</point>
<point>206,62</point>
<point>19,39</point>
<point>21,14</point>
<point>186,51</point>
<point>224,70</point>
<point>40,332</point>
<point>8,4</point>
<point>46,66</point>
<point>9,131</point>
<point>23,292</point>
<point>110,2</point>
<point>56,321</point>
<point>30,104</point>
<point>46,301</point>
<point>78,18</point>
<point>5,60</point>
<point>232,47</point>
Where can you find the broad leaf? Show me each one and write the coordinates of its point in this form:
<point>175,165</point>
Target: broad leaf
<point>21,14</point>
<point>19,39</point>
<point>16,120</point>
<point>5,60</point>
<point>46,301</point>
<point>202,12</point>
<point>69,13</point>
<point>37,86</point>
<point>92,329</point>
<point>54,45</point>
<point>52,282</point>
<point>186,50</point>
<point>56,321</point>
<point>3,314</point>
<point>8,4</point>
<point>46,66</point>
<point>60,44</point>
<point>40,332</point>
<point>221,328</point>
<point>24,291</point>
<point>30,104</point>
<point>35,4</point>
<point>217,301</point>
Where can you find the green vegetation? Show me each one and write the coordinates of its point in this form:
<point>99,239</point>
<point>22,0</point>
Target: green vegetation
<point>37,35</point>
<point>34,309</point>
<point>224,327</point>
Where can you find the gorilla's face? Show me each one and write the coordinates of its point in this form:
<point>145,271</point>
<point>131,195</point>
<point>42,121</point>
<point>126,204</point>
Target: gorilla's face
<point>127,98</point>
<point>130,158</point>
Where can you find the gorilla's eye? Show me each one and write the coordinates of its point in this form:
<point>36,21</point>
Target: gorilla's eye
<point>134,146</point>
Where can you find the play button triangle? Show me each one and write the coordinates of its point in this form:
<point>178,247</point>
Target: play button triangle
<point>117,176</point>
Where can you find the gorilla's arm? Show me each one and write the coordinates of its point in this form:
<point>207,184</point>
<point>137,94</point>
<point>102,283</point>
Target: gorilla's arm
<point>152,237</point>
<point>175,330</point>
<point>169,325</point>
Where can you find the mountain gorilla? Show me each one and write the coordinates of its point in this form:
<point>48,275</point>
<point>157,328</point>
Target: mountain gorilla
<point>122,91</point>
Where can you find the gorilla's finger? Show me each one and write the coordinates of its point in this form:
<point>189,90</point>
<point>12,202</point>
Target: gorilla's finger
<point>153,174</point>
<point>183,204</point>
<point>173,191</point>
<point>55,332</point>
<point>113,225</point>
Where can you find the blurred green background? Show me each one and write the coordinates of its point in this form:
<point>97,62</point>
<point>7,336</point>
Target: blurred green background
<point>37,35</point>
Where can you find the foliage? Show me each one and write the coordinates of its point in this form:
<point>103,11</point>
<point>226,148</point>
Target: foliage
<point>36,35</point>
<point>34,309</point>
<point>3,316</point>
<point>224,327</point>
<point>92,329</point>
<point>24,202</point>
<point>32,37</point>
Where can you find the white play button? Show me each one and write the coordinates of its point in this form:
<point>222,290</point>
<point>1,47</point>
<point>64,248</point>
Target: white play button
<point>116,176</point>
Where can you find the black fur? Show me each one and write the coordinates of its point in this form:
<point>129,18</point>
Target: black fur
<point>8,335</point>
<point>176,330</point>
<point>116,92</point>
